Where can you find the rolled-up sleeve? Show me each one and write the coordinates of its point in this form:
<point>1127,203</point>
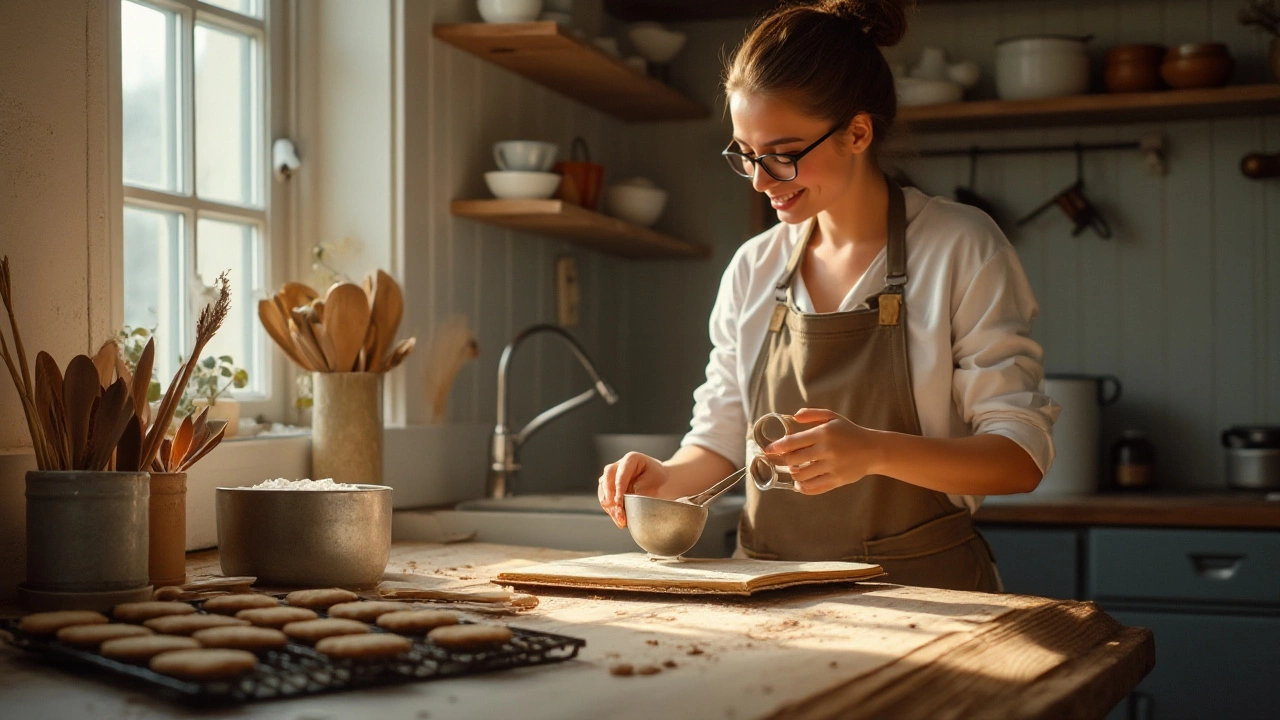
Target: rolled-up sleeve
<point>719,421</point>
<point>999,370</point>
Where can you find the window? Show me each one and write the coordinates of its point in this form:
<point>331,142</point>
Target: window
<point>194,131</point>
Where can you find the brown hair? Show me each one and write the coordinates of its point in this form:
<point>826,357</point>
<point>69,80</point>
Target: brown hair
<point>825,57</point>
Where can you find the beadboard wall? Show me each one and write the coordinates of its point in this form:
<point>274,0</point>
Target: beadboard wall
<point>1183,304</point>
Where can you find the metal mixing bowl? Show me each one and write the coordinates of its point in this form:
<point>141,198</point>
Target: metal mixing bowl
<point>664,527</point>
<point>305,538</point>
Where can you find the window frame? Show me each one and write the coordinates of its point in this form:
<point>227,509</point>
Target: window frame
<point>271,211</point>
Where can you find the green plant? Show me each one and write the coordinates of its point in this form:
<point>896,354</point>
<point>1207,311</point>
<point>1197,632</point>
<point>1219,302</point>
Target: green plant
<point>210,378</point>
<point>132,342</point>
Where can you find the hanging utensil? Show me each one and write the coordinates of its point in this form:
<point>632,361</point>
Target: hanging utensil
<point>1082,213</point>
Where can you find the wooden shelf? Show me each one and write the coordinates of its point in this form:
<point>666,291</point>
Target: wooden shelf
<point>566,221</point>
<point>548,55</point>
<point>1091,109</point>
<point>692,10</point>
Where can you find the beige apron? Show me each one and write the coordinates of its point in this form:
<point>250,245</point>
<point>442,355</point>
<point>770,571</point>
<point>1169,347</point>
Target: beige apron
<point>855,363</point>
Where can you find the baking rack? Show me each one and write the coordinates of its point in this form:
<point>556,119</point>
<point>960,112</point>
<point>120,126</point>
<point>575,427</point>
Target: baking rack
<point>298,670</point>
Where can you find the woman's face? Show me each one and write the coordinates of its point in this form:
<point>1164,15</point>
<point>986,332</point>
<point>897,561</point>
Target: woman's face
<point>768,125</point>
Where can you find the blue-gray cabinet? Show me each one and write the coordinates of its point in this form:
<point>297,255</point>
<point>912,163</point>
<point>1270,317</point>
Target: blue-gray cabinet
<point>1212,598</point>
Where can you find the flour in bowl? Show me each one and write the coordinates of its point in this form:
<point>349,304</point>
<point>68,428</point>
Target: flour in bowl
<point>282,484</point>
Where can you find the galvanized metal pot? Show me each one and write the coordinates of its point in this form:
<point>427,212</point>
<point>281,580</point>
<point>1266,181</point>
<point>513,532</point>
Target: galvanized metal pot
<point>305,538</point>
<point>346,427</point>
<point>87,532</point>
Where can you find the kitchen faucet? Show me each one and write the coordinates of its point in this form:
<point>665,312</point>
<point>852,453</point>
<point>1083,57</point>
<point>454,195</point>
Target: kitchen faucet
<point>504,466</point>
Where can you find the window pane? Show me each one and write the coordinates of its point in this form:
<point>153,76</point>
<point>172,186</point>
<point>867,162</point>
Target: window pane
<point>252,8</point>
<point>227,116</point>
<point>153,272</point>
<point>233,246</point>
<point>151,97</point>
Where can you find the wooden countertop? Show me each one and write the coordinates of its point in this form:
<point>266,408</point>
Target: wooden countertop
<point>869,650</point>
<point>1191,511</point>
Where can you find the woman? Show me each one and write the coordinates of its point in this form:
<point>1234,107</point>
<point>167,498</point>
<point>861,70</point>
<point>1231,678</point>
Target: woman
<point>894,325</point>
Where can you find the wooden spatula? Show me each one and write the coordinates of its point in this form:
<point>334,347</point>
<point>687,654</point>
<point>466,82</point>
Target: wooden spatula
<point>346,320</point>
<point>277,327</point>
<point>388,308</point>
<point>80,389</point>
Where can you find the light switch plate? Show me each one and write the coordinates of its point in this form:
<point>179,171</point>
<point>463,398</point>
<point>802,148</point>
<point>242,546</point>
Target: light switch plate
<point>567,295</point>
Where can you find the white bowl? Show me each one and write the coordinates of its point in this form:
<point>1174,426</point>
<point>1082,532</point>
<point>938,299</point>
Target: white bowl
<point>656,43</point>
<point>633,203</point>
<point>610,447</point>
<point>1033,68</point>
<point>520,185</point>
<point>914,92</point>
<point>525,155</point>
<point>509,11</point>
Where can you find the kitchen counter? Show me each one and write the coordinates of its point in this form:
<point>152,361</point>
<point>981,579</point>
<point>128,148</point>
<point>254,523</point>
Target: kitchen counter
<point>870,650</point>
<point>1231,511</point>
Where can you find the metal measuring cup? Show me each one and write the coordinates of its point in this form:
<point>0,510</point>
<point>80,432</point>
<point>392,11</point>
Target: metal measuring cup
<point>761,468</point>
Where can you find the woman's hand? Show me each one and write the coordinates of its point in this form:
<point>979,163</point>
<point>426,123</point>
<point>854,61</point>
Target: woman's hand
<point>836,452</point>
<point>634,473</point>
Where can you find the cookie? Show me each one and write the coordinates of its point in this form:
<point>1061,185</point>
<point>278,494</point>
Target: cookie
<point>48,623</point>
<point>141,611</point>
<point>187,624</point>
<point>204,663</point>
<point>469,637</point>
<point>232,604</point>
<point>145,647</point>
<point>416,621</point>
<point>320,599</point>
<point>276,617</point>
<point>364,611</point>
<point>313,630</point>
<point>241,638</point>
<point>364,646</point>
<point>91,636</point>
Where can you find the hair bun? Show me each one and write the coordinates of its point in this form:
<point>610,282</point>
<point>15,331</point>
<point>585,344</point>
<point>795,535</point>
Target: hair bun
<point>884,21</point>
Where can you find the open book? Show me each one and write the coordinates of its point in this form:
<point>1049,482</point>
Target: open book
<point>636,572</point>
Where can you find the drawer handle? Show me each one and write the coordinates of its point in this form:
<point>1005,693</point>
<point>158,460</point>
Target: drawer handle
<point>1216,567</point>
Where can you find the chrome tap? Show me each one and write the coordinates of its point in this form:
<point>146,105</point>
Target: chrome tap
<point>504,466</point>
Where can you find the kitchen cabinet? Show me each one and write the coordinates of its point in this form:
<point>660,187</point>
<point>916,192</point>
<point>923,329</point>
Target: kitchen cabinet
<point>1210,594</point>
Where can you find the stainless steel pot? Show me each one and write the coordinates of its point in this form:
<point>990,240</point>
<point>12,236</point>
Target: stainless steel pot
<point>305,538</point>
<point>1253,457</point>
<point>1075,469</point>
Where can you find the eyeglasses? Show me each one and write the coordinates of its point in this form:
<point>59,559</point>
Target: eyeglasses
<point>782,167</point>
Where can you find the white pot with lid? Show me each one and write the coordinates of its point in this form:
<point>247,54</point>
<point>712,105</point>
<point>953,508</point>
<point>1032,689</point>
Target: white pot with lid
<point>1042,66</point>
<point>1075,469</point>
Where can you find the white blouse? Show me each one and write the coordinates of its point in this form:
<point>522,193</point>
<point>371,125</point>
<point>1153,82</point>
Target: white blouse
<point>974,367</point>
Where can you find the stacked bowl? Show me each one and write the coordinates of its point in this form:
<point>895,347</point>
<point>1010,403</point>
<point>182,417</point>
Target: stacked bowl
<point>523,170</point>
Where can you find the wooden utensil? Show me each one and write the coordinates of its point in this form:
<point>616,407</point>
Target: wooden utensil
<point>141,382</point>
<point>80,389</point>
<point>346,321</point>
<point>114,412</point>
<point>105,362</point>
<point>277,327</point>
<point>399,353</point>
<point>388,309</point>
<point>300,332</point>
<point>296,294</point>
<point>325,341</point>
<point>51,411</point>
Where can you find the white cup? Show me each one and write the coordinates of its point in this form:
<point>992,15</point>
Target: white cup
<point>525,155</point>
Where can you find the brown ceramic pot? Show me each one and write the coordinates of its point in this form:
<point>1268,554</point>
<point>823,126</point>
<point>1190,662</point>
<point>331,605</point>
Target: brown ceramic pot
<point>1133,68</point>
<point>167,559</point>
<point>1197,65</point>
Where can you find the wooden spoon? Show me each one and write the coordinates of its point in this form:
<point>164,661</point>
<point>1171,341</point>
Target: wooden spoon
<point>80,389</point>
<point>277,327</point>
<point>325,341</point>
<point>113,413</point>
<point>296,294</point>
<point>141,382</point>
<point>346,322</point>
<point>300,331</point>
<point>49,406</point>
<point>388,308</point>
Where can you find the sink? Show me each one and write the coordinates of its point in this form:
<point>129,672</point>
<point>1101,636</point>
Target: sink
<point>563,522</point>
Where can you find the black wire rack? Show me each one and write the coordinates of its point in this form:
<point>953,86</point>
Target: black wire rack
<point>298,670</point>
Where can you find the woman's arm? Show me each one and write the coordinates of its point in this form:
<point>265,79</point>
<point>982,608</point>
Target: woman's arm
<point>838,452</point>
<point>690,471</point>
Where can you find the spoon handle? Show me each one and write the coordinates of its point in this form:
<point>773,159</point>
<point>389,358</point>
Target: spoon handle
<point>715,491</point>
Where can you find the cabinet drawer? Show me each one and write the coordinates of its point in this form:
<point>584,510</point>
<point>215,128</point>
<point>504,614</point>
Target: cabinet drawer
<point>1033,561</point>
<point>1207,666</point>
<point>1209,566</point>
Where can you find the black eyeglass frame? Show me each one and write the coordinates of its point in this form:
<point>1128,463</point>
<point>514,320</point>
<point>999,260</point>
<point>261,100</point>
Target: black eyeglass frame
<point>758,160</point>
